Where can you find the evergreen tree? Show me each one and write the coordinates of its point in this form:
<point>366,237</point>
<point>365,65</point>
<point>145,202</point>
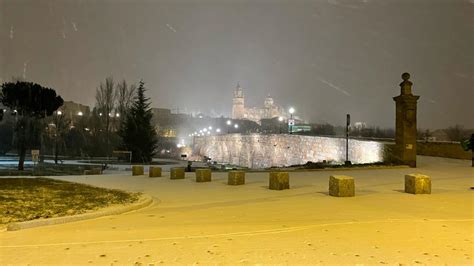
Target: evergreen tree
<point>137,132</point>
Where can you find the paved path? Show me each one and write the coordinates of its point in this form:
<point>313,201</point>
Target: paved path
<point>212,223</point>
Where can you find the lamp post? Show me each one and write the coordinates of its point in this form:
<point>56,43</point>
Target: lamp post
<point>229,123</point>
<point>280,119</point>
<point>348,123</point>
<point>291,122</point>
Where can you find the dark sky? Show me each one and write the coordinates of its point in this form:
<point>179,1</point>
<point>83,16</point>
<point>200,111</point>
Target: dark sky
<point>326,58</point>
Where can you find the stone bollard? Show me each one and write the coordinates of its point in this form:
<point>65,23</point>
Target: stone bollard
<point>138,170</point>
<point>177,173</point>
<point>417,184</point>
<point>154,171</point>
<point>93,171</point>
<point>96,171</point>
<point>203,175</point>
<point>341,186</point>
<point>236,178</point>
<point>279,180</point>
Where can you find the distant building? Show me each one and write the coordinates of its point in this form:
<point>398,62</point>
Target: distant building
<point>240,111</point>
<point>74,110</point>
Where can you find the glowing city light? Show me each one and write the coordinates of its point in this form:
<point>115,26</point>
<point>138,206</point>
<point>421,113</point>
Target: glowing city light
<point>59,113</point>
<point>291,110</point>
<point>236,126</point>
<point>80,113</point>
<point>218,130</point>
<point>229,122</point>
<point>280,118</point>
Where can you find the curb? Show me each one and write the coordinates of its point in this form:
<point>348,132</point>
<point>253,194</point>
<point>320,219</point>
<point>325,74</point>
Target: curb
<point>143,202</point>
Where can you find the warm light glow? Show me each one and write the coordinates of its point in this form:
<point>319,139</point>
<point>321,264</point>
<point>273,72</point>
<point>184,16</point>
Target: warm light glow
<point>291,110</point>
<point>100,114</point>
<point>59,113</point>
<point>280,118</point>
<point>80,113</point>
<point>117,115</point>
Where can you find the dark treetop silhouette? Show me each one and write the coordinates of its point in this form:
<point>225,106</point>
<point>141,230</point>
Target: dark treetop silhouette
<point>30,102</point>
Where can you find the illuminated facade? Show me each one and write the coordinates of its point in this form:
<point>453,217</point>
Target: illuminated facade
<point>240,111</point>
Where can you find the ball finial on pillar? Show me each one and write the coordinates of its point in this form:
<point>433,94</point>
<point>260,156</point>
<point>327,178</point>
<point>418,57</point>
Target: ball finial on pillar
<point>406,76</point>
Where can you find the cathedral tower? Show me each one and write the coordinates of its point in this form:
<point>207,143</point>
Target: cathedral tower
<point>238,107</point>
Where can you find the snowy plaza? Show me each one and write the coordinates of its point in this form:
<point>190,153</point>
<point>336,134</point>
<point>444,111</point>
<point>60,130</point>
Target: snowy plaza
<point>213,223</point>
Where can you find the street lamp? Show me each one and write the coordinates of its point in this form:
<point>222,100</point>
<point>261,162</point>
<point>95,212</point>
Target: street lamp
<point>280,119</point>
<point>59,113</point>
<point>229,123</point>
<point>291,122</point>
<point>79,113</point>
<point>218,130</point>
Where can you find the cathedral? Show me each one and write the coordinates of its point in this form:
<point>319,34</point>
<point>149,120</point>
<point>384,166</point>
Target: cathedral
<point>269,110</point>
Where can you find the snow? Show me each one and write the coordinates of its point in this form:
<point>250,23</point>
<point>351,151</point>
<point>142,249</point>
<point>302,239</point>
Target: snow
<point>213,223</point>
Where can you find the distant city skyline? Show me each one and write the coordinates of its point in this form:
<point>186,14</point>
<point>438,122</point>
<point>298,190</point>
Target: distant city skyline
<point>324,58</point>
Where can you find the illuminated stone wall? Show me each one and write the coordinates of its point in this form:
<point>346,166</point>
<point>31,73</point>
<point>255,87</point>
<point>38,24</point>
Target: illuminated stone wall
<point>262,151</point>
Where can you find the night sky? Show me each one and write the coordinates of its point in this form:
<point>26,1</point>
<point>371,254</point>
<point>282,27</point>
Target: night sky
<point>325,58</point>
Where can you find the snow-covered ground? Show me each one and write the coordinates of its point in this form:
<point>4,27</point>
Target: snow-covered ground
<point>213,223</point>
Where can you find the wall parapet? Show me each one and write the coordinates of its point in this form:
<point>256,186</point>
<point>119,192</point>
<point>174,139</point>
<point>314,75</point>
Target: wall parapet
<point>280,150</point>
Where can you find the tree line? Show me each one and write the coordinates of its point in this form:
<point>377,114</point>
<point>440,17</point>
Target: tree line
<point>120,119</point>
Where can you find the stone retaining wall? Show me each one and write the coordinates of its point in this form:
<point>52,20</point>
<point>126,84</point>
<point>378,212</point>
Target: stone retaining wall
<point>263,151</point>
<point>443,149</point>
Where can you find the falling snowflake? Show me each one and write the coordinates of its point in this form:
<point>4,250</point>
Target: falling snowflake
<point>170,27</point>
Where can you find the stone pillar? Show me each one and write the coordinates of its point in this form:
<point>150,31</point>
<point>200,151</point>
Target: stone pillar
<point>405,127</point>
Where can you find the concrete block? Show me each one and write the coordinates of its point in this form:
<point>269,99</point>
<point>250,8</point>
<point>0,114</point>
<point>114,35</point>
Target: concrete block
<point>279,180</point>
<point>177,173</point>
<point>203,175</point>
<point>341,186</point>
<point>93,171</point>
<point>138,170</point>
<point>96,171</point>
<point>236,178</point>
<point>417,184</point>
<point>154,171</point>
